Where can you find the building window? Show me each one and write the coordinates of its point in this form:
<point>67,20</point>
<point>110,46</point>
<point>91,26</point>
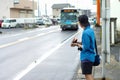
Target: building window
<point>16,1</point>
<point>22,11</point>
<point>22,14</point>
<point>30,12</point>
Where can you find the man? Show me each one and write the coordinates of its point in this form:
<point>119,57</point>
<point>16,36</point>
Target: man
<point>87,47</point>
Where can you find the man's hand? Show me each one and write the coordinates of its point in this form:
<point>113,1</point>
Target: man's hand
<point>74,44</point>
<point>74,40</point>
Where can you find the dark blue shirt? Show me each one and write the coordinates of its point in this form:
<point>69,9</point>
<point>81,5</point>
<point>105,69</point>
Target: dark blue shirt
<point>88,45</point>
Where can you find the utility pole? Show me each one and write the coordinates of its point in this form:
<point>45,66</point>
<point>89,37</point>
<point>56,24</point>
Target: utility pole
<point>98,11</point>
<point>38,9</point>
<point>46,9</point>
<point>66,1</point>
<point>33,8</point>
<point>105,35</point>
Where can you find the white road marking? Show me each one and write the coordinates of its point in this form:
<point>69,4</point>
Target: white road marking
<point>30,31</point>
<point>26,38</point>
<point>12,35</point>
<point>17,34</point>
<point>42,58</point>
<point>40,34</point>
<point>12,43</point>
<point>23,39</point>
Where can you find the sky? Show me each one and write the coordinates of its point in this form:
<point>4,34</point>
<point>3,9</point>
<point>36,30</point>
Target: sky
<point>82,4</point>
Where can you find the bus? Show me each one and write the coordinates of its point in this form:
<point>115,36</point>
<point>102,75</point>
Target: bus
<point>69,18</point>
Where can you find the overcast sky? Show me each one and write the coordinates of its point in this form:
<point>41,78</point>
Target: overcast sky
<point>82,4</point>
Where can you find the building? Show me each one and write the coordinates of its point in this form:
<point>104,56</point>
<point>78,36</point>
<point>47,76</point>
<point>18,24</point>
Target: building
<point>114,11</point>
<point>57,7</point>
<point>17,8</point>
<point>86,12</point>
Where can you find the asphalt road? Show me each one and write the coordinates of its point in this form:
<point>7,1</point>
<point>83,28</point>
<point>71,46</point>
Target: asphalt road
<point>39,54</point>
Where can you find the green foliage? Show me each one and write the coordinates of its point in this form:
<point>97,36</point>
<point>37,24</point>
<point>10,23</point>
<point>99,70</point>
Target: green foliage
<point>30,26</point>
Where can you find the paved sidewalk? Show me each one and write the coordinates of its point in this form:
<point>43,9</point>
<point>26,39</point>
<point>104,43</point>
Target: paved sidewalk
<point>112,69</point>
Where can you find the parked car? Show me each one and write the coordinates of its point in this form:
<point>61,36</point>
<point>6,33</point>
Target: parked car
<point>1,22</point>
<point>58,20</point>
<point>54,21</point>
<point>47,22</point>
<point>39,22</point>
<point>8,23</point>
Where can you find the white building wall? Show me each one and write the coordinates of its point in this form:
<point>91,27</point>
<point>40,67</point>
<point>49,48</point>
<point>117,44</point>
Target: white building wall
<point>115,11</point>
<point>56,12</point>
<point>5,8</point>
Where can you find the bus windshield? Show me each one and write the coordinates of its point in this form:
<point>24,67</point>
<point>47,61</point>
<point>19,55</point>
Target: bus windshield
<point>68,16</point>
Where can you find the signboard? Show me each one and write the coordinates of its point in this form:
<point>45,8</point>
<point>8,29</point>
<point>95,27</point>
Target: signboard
<point>69,10</point>
<point>16,1</point>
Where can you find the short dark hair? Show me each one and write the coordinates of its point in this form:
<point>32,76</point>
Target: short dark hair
<point>83,19</point>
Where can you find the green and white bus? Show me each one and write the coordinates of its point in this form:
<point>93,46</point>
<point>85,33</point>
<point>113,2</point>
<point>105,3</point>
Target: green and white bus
<point>69,18</point>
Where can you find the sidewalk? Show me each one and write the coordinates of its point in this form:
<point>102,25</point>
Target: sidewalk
<point>112,69</point>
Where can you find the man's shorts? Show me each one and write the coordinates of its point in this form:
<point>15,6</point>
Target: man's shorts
<point>86,67</point>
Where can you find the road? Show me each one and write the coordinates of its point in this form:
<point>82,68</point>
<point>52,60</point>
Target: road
<point>39,54</point>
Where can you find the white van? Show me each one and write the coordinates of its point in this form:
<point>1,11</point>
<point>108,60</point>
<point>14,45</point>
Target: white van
<point>8,23</point>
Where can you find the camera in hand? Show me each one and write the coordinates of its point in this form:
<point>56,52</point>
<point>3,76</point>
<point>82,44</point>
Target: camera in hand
<point>80,49</point>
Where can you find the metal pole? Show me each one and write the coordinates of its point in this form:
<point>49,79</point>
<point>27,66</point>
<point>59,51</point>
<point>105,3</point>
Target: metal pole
<point>105,35</point>
<point>39,13</point>
<point>98,11</point>
<point>33,8</point>
<point>66,1</point>
<point>46,9</point>
<point>119,55</point>
<point>103,39</point>
<point>108,30</point>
